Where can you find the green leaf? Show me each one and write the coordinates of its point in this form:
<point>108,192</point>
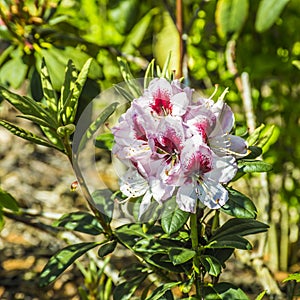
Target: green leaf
<point>124,93</point>
<point>254,152</point>
<point>67,87</point>
<point>180,255</point>
<point>107,248</point>
<point>211,265</point>
<point>125,290</point>
<point>80,221</point>
<point>13,72</point>
<point>25,134</point>
<point>2,222</point>
<point>240,227</point>
<point>27,106</point>
<point>231,16</point>
<point>254,136</point>
<point>251,166</point>
<point>48,90</point>
<point>37,120</point>
<point>135,37</point>
<point>295,276</point>
<point>261,295</point>
<point>131,82</point>
<point>173,218</point>
<point>105,141</point>
<point>8,201</point>
<point>58,263</point>
<point>268,12</point>
<point>161,290</point>
<point>72,104</point>
<point>102,117</point>
<point>239,206</point>
<point>104,202</point>
<point>229,291</point>
<point>149,73</point>
<point>296,63</point>
<point>234,241</point>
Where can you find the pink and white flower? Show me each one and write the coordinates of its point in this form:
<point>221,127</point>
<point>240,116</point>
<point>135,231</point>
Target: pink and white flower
<point>174,146</point>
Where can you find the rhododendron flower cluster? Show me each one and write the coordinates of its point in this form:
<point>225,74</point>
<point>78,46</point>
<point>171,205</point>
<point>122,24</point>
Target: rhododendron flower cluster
<point>175,145</point>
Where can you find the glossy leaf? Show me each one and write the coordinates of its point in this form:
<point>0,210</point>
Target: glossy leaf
<point>27,106</point>
<point>62,260</point>
<point>180,255</point>
<point>212,266</point>
<point>254,152</point>
<point>102,117</point>
<point>268,13</point>
<point>239,205</point>
<point>125,290</point>
<point>251,166</point>
<point>234,241</point>
<point>240,227</point>
<point>8,201</point>
<point>25,134</point>
<point>48,90</point>
<point>161,290</point>
<point>231,16</point>
<point>131,82</point>
<point>173,218</point>
<point>80,221</point>
<point>229,291</point>
<point>105,141</point>
<point>107,248</point>
<point>103,202</point>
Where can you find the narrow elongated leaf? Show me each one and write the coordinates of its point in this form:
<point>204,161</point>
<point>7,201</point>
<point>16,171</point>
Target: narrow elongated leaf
<point>125,290</point>
<point>240,227</point>
<point>67,87</point>
<point>124,93</point>
<point>102,117</point>
<point>78,86</point>
<point>104,203</point>
<point>132,84</point>
<point>37,120</point>
<point>2,222</point>
<point>48,90</point>
<point>62,260</point>
<point>261,295</point>
<point>27,106</point>
<point>173,218</point>
<point>161,290</point>
<point>25,134</point>
<point>254,136</point>
<point>80,221</point>
<point>239,206</point>
<point>149,74</point>
<point>231,16</point>
<point>251,166</point>
<point>8,201</point>
<point>234,241</point>
<point>180,255</point>
<point>295,276</point>
<point>268,12</point>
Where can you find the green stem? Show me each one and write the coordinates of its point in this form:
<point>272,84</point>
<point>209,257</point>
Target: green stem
<point>84,189</point>
<point>196,261</point>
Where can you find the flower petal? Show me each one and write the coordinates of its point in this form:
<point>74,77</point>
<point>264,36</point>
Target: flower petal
<point>186,198</point>
<point>212,194</point>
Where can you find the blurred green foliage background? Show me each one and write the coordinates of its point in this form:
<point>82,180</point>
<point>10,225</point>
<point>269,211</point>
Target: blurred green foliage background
<point>221,40</point>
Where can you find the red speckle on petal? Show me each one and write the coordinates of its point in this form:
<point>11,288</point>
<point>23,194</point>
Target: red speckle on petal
<point>161,102</point>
